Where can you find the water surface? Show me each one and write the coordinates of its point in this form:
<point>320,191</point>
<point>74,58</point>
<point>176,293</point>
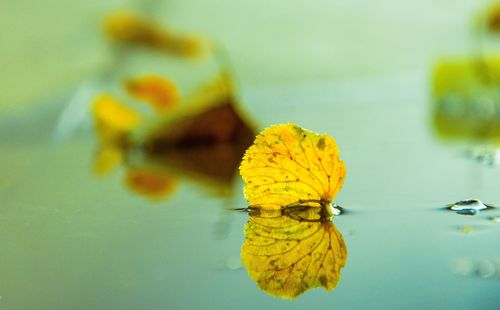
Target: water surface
<point>70,240</point>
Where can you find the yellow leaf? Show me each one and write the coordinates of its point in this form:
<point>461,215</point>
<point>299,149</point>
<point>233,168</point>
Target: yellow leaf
<point>493,18</point>
<point>208,116</point>
<point>291,176</point>
<point>465,95</point>
<point>159,92</point>
<point>288,165</point>
<point>108,157</point>
<point>288,255</point>
<point>130,28</point>
<point>111,113</point>
<point>151,183</point>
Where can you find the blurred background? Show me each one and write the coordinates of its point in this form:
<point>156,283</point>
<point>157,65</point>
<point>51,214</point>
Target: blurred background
<point>50,46</point>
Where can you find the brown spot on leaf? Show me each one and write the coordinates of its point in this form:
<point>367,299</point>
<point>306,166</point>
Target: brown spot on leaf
<point>322,279</point>
<point>321,143</point>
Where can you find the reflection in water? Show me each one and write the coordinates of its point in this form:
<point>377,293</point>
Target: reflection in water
<point>488,155</point>
<point>495,219</point>
<point>486,268</point>
<point>466,108</point>
<point>204,140</point>
<point>467,229</point>
<point>291,245</point>
<point>106,159</point>
<point>469,207</point>
<point>287,253</point>
<point>151,183</point>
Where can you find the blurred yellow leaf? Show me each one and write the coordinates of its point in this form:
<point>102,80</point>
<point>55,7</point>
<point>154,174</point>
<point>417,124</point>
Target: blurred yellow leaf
<point>159,92</point>
<point>288,165</point>
<point>493,18</point>
<point>112,118</point>
<point>151,183</point>
<point>465,98</point>
<point>288,255</point>
<point>208,116</point>
<point>131,28</point>
<point>107,158</point>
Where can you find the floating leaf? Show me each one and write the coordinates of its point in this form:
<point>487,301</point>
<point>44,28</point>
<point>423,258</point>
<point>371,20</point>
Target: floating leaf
<point>288,165</point>
<point>291,176</point>
<point>286,256</point>
<point>159,92</point>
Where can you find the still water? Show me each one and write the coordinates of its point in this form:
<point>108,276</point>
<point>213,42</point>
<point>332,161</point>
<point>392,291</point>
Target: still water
<point>71,240</point>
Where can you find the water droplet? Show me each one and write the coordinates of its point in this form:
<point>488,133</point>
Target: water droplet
<point>496,261</point>
<point>233,262</point>
<point>334,209</point>
<point>469,207</point>
<point>463,267</point>
<point>486,269</point>
<point>468,212</point>
<point>486,155</point>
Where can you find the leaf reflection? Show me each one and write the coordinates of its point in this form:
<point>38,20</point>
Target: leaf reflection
<point>151,183</point>
<point>289,252</point>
